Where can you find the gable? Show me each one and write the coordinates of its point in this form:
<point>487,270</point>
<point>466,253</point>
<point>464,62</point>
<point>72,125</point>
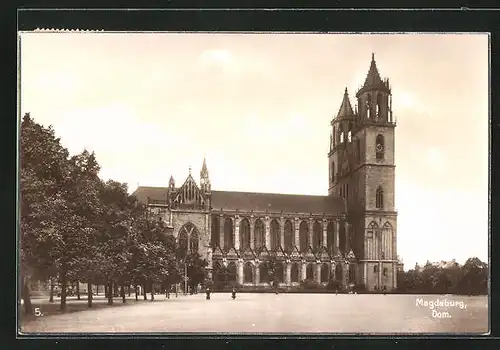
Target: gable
<point>189,195</point>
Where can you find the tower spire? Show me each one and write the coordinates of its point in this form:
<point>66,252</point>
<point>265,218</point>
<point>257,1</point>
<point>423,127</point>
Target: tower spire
<point>373,76</point>
<point>345,109</point>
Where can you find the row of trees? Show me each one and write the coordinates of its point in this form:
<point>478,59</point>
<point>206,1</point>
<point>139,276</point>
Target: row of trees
<point>469,279</point>
<point>75,227</point>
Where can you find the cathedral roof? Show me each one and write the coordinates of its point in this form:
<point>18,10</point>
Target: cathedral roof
<point>275,202</point>
<point>153,193</point>
<point>248,201</point>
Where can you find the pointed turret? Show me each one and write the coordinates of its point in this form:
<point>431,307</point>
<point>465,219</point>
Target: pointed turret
<point>204,170</point>
<point>373,79</point>
<point>345,110</point>
<point>373,76</point>
<point>204,178</point>
<point>171,182</point>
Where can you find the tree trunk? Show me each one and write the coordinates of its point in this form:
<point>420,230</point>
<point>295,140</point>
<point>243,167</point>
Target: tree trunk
<point>89,298</point>
<point>116,292</point>
<point>51,297</point>
<point>28,308</point>
<point>64,285</point>
<point>110,293</point>
<point>123,294</point>
<point>106,295</point>
<point>152,292</point>
<point>144,291</point>
<point>129,290</point>
<point>78,290</point>
<point>136,291</point>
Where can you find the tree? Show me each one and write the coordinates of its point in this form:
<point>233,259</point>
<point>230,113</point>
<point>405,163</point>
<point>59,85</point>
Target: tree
<point>44,169</point>
<point>114,237</point>
<point>195,269</point>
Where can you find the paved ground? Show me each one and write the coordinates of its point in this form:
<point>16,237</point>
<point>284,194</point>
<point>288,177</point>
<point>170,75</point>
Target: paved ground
<point>270,313</point>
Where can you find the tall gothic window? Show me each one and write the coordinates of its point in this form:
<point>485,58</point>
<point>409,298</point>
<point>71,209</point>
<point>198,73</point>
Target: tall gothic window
<point>379,198</point>
<point>317,235</point>
<point>379,146</point>
<point>368,107</point>
<point>248,273</point>
<point>333,171</point>
<point>288,236</point>
<point>228,234</point>
<point>215,236</point>
<point>330,235</point>
<point>294,273</point>
<point>244,234</point>
<point>275,234</point>
<point>379,105</point>
<point>259,234</point>
<point>303,236</point>
<point>193,241</point>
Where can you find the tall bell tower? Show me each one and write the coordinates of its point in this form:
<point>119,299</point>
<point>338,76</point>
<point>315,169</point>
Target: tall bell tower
<point>362,170</point>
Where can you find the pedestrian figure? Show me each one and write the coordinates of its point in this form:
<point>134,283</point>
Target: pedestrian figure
<point>208,293</point>
<point>167,293</point>
<point>336,291</point>
<point>233,294</point>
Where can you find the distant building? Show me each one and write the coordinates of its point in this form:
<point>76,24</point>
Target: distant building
<point>348,235</point>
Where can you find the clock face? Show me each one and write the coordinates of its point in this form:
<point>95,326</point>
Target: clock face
<point>380,148</point>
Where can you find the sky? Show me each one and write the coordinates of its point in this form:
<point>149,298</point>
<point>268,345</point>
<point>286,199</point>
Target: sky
<point>259,106</point>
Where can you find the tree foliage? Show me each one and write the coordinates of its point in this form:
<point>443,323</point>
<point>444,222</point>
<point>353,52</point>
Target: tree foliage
<point>75,227</point>
<point>471,278</point>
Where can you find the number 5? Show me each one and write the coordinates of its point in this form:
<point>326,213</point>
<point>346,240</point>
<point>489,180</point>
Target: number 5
<point>38,312</point>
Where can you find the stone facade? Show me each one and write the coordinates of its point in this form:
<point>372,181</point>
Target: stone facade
<point>348,235</point>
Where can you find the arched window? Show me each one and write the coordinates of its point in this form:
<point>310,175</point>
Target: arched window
<point>333,171</point>
<point>379,198</point>
<point>231,272</point>
<point>183,242</point>
<point>341,134</point>
<point>294,273</point>
<point>215,234</point>
<point>217,272</point>
<point>264,273</point>
<point>275,234</point>
<point>375,269</point>
<point>352,273</point>
<point>248,273</point>
<point>228,234</point>
<point>368,106</point>
<point>288,236</point>
<point>303,236</point>
<point>193,241</point>
<point>309,272</point>
<point>325,273</point>
<point>342,237</point>
<point>279,272</point>
<point>330,235</point>
<point>259,234</point>
<point>338,272</point>
<point>379,105</point>
<point>244,234</point>
<point>385,272</point>
<point>379,146</point>
<point>317,235</point>
<point>349,133</point>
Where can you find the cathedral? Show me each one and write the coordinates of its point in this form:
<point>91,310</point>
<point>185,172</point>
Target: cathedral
<point>347,236</point>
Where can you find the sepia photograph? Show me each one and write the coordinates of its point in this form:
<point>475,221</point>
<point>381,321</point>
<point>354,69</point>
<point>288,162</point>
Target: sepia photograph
<point>253,183</point>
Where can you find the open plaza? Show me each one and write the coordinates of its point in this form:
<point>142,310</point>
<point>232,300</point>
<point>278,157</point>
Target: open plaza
<point>271,313</point>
